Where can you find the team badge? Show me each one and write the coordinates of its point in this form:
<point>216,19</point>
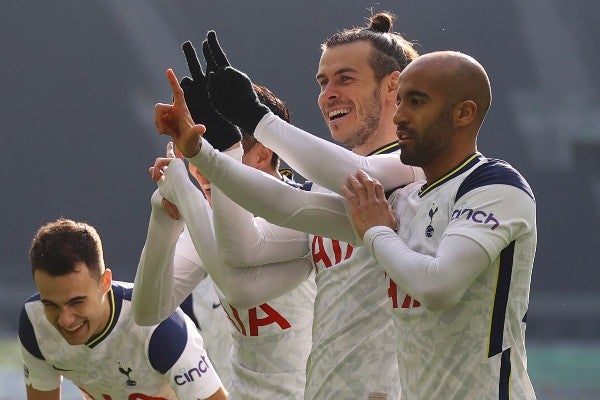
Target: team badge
<point>127,372</point>
<point>429,230</point>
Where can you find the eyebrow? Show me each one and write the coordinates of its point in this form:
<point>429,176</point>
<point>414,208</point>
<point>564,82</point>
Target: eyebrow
<point>417,93</point>
<point>337,73</point>
<point>72,300</point>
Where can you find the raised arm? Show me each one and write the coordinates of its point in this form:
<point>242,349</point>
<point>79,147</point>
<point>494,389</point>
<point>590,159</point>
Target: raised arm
<point>244,287</point>
<point>318,213</point>
<point>152,299</point>
<point>248,240</point>
<point>321,214</point>
<point>326,163</point>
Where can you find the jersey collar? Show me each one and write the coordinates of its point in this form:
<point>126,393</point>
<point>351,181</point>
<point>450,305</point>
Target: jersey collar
<point>467,164</point>
<point>115,308</point>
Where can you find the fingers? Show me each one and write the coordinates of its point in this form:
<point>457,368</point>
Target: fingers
<point>217,52</point>
<point>211,65</point>
<point>170,153</point>
<point>192,61</point>
<point>368,184</point>
<point>178,97</point>
<point>160,110</point>
<point>350,196</point>
<point>157,171</point>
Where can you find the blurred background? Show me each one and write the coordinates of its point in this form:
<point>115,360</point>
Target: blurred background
<point>80,79</point>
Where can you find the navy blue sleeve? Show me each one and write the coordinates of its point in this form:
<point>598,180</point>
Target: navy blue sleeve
<point>494,172</point>
<point>187,306</point>
<point>26,333</point>
<point>168,342</point>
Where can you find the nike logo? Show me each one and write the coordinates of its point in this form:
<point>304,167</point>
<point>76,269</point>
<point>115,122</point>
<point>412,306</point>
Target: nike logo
<point>61,369</point>
<point>216,305</point>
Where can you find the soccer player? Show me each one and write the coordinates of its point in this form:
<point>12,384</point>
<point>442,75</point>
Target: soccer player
<point>461,244</point>
<point>79,326</point>
<point>352,328</point>
<point>272,325</point>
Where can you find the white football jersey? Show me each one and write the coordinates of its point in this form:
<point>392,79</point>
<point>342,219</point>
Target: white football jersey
<point>271,342</point>
<point>127,361</point>
<point>474,350</point>
<point>214,327</point>
<point>353,355</point>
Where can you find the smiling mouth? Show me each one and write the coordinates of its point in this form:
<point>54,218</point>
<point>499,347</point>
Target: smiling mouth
<point>72,331</point>
<point>339,113</point>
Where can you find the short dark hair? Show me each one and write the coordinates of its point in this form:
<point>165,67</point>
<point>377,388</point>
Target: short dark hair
<point>392,52</point>
<point>277,106</point>
<point>59,245</point>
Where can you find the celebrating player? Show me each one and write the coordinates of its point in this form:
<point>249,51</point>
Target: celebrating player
<point>272,323</point>
<point>79,326</point>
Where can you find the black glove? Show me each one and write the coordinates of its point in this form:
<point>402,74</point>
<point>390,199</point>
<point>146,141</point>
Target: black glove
<point>220,133</point>
<point>230,90</point>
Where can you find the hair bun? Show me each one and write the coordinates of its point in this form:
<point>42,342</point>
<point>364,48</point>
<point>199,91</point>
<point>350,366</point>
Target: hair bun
<point>381,22</point>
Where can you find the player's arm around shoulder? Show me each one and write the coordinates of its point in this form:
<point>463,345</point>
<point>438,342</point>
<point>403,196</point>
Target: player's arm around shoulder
<point>176,350</point>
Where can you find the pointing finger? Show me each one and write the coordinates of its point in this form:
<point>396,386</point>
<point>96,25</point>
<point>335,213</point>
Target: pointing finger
<point>178,97</point>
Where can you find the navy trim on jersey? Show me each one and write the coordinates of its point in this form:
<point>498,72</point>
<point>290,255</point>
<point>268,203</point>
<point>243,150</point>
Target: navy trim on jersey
<point>467,164</point>
<point>115,296</point>
<point>290,181</point>
<point>187,306</point>
<point>26,332</point>
<point>501,299</point>
<point>168,342</point>
<point>494,172</point>
<point>504,381</point>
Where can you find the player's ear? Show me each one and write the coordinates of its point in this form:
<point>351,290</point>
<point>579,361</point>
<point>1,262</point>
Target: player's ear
<point>390,83</point>
<point>465,112</point>
<point>106,280</point>
<point>264,154</point>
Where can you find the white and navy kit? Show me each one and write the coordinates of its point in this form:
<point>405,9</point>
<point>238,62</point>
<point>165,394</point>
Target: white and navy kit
<point>353,354</point>
<point>126,361</point>
<point>352,328</point>
<point>204,307</point>
<point>474,349</point>
<point>271,341</point>
<point>271,332</point>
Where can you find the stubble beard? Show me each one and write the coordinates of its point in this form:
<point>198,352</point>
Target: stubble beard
<point>367,126</point>
<point>431,143</point>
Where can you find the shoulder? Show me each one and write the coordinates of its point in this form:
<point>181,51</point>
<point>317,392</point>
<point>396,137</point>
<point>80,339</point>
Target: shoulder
<point>493,172</point>
<point>168,341</point>
<point>26,331</point>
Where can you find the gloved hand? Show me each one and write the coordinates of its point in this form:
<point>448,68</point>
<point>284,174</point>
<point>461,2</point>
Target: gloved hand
<point>220,133</point>
<point>230,90</point>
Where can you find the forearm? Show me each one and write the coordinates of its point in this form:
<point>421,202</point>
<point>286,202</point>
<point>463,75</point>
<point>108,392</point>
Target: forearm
<point>327,163</point>
<point>263,195</point>
<point>152,293</point>
<point>246,240</point>
<point>243,287</point>
<point>436,281</point>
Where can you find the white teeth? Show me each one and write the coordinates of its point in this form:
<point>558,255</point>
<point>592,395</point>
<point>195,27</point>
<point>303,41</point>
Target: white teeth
<point>340,111</point>
<point>74,329</point>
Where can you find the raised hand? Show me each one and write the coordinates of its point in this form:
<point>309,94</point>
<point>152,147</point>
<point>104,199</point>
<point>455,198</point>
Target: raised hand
<point>368,205</point>
<point>157,172</point>
<point>175,120</point>
<point>221,133</point>
<point>230,90</point>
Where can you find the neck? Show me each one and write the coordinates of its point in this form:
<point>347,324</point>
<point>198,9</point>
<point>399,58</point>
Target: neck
<point>437,169</point>
<point>376,141</point>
